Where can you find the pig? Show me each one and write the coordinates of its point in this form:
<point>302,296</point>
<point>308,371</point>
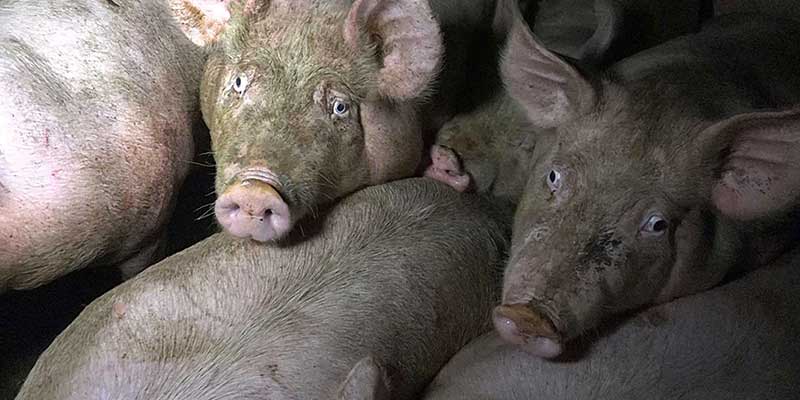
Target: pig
<point>308,101</point>
<point>671,170</point>
<point>97,120</point>
<point>488,149</point>
<point>736,341</point>
<point>384,289</point>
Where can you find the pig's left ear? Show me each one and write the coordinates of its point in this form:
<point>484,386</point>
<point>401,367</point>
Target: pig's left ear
<point>758,163</point>
<point>204,21</point>
<point>366,381</point>
<point>408,37</point>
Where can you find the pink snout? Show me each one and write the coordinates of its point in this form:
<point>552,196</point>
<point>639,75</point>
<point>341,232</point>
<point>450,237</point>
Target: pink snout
<point>520,325</point>
<point>253,209</point>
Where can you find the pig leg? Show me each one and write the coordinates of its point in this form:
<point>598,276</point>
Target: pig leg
<point>446,167</point>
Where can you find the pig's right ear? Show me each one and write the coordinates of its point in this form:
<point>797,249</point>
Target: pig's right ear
<point>756,161</point>
<point>550,89</point>
<point>409,40</point>
<point>366,381</point>
<point>204,21</point>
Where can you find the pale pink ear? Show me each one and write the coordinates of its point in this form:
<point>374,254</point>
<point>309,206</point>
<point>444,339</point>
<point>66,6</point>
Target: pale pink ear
<point>410,40</point>
<point>204,21</point>
<point>760,171</point>
<point>550,90</point>
<point>366,381</point>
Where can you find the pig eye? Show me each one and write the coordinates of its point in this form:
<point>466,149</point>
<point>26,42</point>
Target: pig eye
<point>340,108</point>
<point>655,224</point>
<point>554,180</point>
<point>240,83</point>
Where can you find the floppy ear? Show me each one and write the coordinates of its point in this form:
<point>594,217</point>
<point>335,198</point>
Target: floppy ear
<point>366,381</point>
<point>757,156</point>
<point>409,40</point>
<point>204,21</point>
<point>551,91</point>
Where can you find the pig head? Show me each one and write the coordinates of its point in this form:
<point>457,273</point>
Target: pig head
<point>308,101</point>
<point>646,194</point>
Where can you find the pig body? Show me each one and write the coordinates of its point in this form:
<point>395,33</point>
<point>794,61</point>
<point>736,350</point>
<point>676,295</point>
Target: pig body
<point>308,101</point>
<point>673,169</point>
<point>96,121</point>
<point>400,276</point>
<point>736,341</point>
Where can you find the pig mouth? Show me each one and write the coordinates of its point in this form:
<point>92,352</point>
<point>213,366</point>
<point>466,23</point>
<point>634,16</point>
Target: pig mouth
<point>524,325</point>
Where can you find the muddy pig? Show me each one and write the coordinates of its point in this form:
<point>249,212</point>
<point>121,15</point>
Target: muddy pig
<point>308,101</point>
<point>489,148</point>
<point>391,283</point>
<point>734,342</point>
<point>672,170</point>
<point>96,120</point>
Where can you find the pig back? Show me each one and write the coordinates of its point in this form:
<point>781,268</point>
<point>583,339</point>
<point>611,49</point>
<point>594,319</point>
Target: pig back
<point>96,122</point>
<point>406,271</point>
<point>737,63</point>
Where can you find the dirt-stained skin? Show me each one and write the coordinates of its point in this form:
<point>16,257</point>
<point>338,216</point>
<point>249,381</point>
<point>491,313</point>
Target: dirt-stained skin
<point>668,172</point>
<point>318,99</point>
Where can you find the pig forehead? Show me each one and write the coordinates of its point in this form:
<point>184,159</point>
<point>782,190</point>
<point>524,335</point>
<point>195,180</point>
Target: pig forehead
<point>308,40</point>
<point>608,151</point>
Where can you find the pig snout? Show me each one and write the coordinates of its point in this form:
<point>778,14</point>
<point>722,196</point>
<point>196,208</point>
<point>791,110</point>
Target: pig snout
<point>520,324</point>
<point>253,208</point>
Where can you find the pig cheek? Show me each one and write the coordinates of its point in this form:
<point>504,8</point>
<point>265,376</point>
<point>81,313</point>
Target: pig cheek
<point>392,140</point>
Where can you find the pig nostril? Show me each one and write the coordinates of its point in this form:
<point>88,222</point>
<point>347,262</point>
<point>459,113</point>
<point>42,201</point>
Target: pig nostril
<point>264,216</point>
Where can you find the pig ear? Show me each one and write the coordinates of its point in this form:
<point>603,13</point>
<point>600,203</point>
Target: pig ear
<point>410,42</point>
<point>758,163</point>
<point>366,381</point>
<point>609,18</point>
<point>204,21</point>
<point>551,90</point>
